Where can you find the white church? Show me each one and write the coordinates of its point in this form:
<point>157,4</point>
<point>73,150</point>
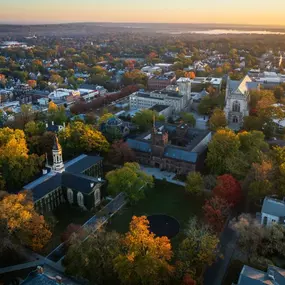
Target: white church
<point>237,100</point>
<point>77,182</point>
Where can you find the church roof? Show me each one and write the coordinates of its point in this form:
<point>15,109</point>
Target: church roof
<point>42,188</point>
<point>78,182</point>
<point>81,163</point>
<point>242,86</point>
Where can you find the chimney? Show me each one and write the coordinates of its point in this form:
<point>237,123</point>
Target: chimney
<point>58,280</point>
<point>40,270</point>
<point>52,122</point>
<point>63,124</point>
<point>46,125</point>
<point>44,171</point>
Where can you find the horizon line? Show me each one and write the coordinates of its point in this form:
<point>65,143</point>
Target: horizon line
<point>123,22</point>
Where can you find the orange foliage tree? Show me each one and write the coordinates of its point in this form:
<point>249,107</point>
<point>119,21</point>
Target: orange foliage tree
<point>143,253</point>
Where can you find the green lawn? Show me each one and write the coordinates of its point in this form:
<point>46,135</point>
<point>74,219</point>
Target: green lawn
<point>164,198</point>
<point>61,218</point>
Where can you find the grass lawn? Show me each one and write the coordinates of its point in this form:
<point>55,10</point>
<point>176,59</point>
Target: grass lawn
<point>61,218</point>
<point>164,198</point>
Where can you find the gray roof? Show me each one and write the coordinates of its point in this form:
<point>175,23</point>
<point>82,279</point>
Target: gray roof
<point>78,182</point>
<point>252,276</point>
<point>82,164</point>
<point>39,279</point>
<point>273,207</point>
<point>180,154</point>
<point>45,186</point>
<point>139,145</point>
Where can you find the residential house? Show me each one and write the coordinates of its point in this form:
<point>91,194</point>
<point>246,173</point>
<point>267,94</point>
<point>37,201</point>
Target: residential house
<point>273,211</point>
<point>252,276</point>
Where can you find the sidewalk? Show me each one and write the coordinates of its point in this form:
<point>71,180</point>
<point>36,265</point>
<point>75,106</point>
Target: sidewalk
<point>161,175</point>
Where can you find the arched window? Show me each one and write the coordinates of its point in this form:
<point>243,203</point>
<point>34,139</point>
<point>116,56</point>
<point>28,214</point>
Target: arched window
<point>97,197</point>
<point>236,106</point>
<point>80,199</point>
<point>235,119</point>
<point>70,196</point>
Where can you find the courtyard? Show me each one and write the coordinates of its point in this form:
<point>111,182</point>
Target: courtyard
<point>164,198</point>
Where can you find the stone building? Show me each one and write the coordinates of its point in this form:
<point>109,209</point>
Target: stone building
<point>237,101</point>
<point>77,182</point>
<point>173,148</point>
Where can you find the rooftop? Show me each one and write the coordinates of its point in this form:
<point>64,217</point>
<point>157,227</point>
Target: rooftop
<point>273,207</point>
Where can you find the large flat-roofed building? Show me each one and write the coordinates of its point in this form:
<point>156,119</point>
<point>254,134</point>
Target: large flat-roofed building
<point>178,149</point>
<point>177,96</point>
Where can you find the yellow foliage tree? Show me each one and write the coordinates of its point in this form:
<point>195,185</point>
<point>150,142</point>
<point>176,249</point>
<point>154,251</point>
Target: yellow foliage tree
<point>17,213</point>
<point>52,107</point>
<point>144,252</point>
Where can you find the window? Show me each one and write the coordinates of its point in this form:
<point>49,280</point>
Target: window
<point>97,196</point>
<point>235,119</point>
<point>70,196</point>
<point>236,106</point>
<point>80,199</point>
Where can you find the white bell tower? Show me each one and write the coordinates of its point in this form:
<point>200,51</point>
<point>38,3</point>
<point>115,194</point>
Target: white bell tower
<point>57,165</point>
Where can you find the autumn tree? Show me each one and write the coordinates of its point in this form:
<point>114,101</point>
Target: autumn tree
<point>129,179</point>
<point>216,211</point>
<point>194,183</point>
<point>16,165</point>
<point>20,218</point>
<point>143,252</point>
<point>217,120</point>
<point>198,250</point>
<point>79,137</point>
<point>105,117</point>
<point>229,189</point>
<point>93,258</point>
<point>121,153</point>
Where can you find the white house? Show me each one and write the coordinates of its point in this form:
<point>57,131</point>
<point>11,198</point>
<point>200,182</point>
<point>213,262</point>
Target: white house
<point>273,211</point>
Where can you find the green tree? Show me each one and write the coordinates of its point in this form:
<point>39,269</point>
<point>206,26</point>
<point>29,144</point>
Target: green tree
<point>198,250</point>
<point>222,150</point>
<point>93,258</point>
<point>217,120</point>
<point>144,119</point>
<point>188,118</point>
<point>129,179</point>
<point>194,183</point>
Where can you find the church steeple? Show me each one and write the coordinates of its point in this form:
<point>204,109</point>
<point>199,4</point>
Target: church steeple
<point>57,165</point>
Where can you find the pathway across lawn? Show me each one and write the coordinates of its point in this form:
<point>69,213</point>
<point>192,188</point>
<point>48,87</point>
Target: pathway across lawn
<point>164,198</point>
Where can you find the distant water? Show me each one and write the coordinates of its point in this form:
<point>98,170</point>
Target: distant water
<point>224,32</point>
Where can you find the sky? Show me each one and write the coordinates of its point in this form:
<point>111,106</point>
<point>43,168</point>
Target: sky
<point>259,12</point>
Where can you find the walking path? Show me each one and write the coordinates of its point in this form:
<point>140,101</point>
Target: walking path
<point>94,222</point>
<point>214,275</point>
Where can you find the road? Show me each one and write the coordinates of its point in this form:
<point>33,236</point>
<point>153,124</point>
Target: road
<point>214,275</point>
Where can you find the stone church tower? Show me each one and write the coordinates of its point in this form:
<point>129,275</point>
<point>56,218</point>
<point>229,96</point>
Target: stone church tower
<point>57,165</point>
<point>237,101</point>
